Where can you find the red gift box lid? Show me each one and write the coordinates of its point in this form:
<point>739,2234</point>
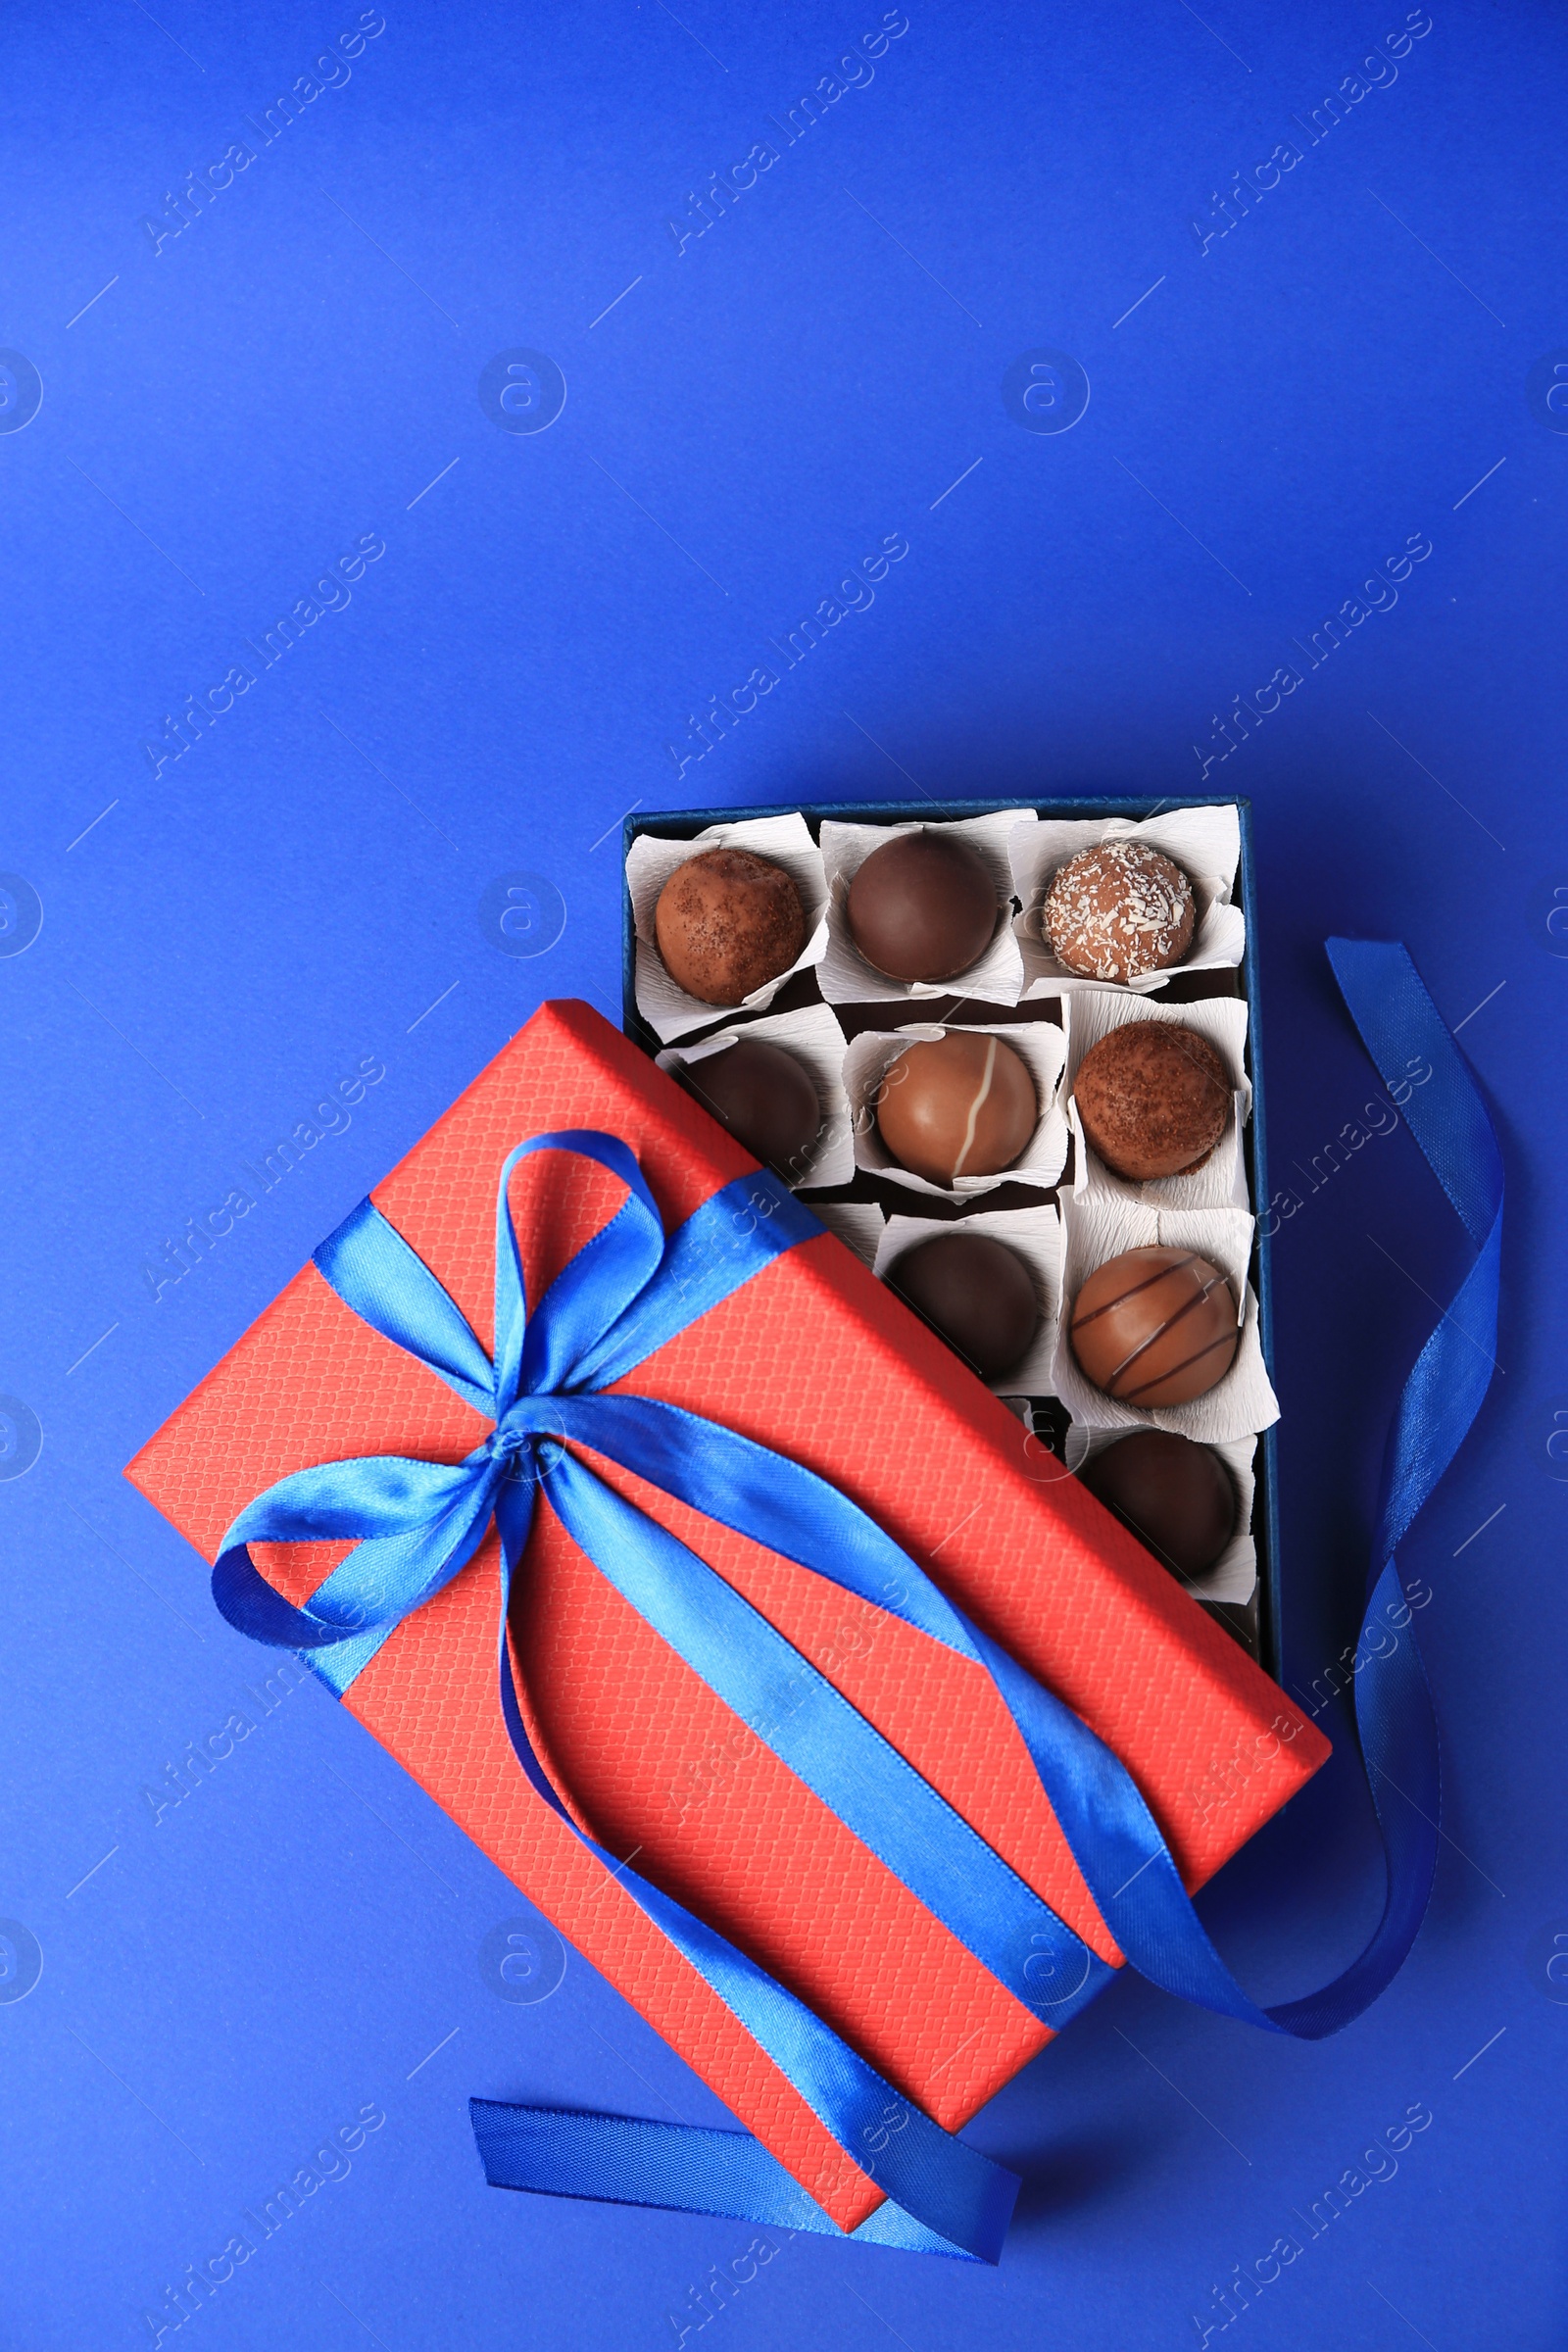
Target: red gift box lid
<point>816,1360</point>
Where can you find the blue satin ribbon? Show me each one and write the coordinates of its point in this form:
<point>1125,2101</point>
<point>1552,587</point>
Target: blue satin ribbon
<point>622,1296</point>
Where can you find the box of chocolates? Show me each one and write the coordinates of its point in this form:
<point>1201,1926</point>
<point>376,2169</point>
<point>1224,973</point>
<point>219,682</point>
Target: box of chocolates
<point>1025,1363</point>
<point>1010,1054</point>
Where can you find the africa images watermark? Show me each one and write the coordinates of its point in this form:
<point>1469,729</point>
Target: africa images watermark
<point>725,189</point>
<point>200,189</point>
<point>1381,1116</point>
<point>1246,713</point>
<point>1377,2162</point>
<point>201,1758</point>
<point>200,2285</point>
<point>1377,72</point>
<point>175,1260</point>
<point>330,594</point>
<point>856,594</point>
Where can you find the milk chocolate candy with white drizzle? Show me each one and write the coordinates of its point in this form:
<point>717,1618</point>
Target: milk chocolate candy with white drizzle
<point>962,1104</point>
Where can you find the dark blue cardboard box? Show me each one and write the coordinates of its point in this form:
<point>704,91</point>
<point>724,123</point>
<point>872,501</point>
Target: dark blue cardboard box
<point>1258,1625</point>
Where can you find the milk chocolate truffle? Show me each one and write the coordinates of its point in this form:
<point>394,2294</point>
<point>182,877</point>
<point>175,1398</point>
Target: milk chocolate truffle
<point>1155,1326</point>
<point>763,1097</point>
<point>975,1293</point>
<point>1152,1098</point>
<point>727,922</point>
<point>923,907</point>
<point>962,1106</point>
<point>1119,911</point>
<point>1177,1498</point>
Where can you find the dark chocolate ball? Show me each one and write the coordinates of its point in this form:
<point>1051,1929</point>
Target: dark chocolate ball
<point>923,907</point>
<point>1153,1099</point>
<point>962,1104</point>
<point>726,923</point>
<point>765,1098</point>
<point>1177,1498</point>
<point>1119,911</point>
<point>1155,1326</point>
<point>975,1293</point>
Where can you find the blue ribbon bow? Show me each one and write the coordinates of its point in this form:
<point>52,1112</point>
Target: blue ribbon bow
<point>627,1291</point>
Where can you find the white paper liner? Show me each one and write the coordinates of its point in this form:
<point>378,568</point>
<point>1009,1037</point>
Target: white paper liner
<point>1033,1234</point>
<point>669,1010</point>
<point>858,1224</point>
<point>846,978</point>
<point>1100,1227</point>
<point>1040,1044</point>
<point>1221,1182</point>
<point>1206,843</point>
<point>815,1038</point>
<point>1234,1575</point>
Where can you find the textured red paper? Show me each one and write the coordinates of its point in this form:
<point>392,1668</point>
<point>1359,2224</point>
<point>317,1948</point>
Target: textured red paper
<point>816,1360</point>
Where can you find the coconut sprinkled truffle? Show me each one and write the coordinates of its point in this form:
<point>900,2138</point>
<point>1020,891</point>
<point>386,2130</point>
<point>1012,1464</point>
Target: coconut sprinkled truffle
<point>1119,911</point>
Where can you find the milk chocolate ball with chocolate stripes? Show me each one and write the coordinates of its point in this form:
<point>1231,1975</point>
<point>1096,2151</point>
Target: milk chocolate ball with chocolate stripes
<point>763,1097</point>
<point>962,1104</point>
<point>975,1293</point>
<point>1119,912</point>
<point>1155,1326</point>
<point>923,907</point>
<point>726,923</point>
<point>1176,1496</point>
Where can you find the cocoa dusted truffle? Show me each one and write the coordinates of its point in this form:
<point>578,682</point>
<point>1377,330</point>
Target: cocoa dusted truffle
<point>1155,1326</point>
<point>1153,1100</point>
<point>1176,1496</point>
<point>923,907</point>
<point>763,1097</point>
<point>726,923</point>
<point>975,1293</point>
<point>964,1105</point>
<point>1119,911</point>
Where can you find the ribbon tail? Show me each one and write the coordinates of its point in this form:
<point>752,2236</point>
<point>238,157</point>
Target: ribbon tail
<point>944,2188</point>
<point>682,2167</point>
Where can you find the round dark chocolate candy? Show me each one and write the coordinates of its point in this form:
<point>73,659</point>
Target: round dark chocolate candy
<point>726,923</point>
<point>962,1104</point>
<point>1155,1326</point>
<point>975,1293</point>
<point>923,907</point>
<point>765,1098</point>
<point>1152,1098</point>
<point>1175,1496</point>
<point>1119,911</point>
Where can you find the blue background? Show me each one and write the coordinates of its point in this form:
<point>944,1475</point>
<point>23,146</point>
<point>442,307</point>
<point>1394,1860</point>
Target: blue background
<point>1269,420</point>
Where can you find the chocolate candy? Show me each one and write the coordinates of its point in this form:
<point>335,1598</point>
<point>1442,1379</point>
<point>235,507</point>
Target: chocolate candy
<point>726,923</point>
<point>975,1293</point>
<point>962,1106</point>
<point>1155,1326</point>
<point>763,1097</point>
<point>1152,1098</point>
<point>923,907</point>
<point>1177,1498</point>
<point>1119,911</point>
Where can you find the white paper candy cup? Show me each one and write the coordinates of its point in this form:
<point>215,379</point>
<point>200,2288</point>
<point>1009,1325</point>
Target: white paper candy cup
<point>1221,1182</point>
<point>1096,1228</point>
<point>1033,1234</point>
<point>1040,1044</point>
<point>1206,843</point>
<point>815,1038</point>
<point>669,1010</point>
<point>846,978</point>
